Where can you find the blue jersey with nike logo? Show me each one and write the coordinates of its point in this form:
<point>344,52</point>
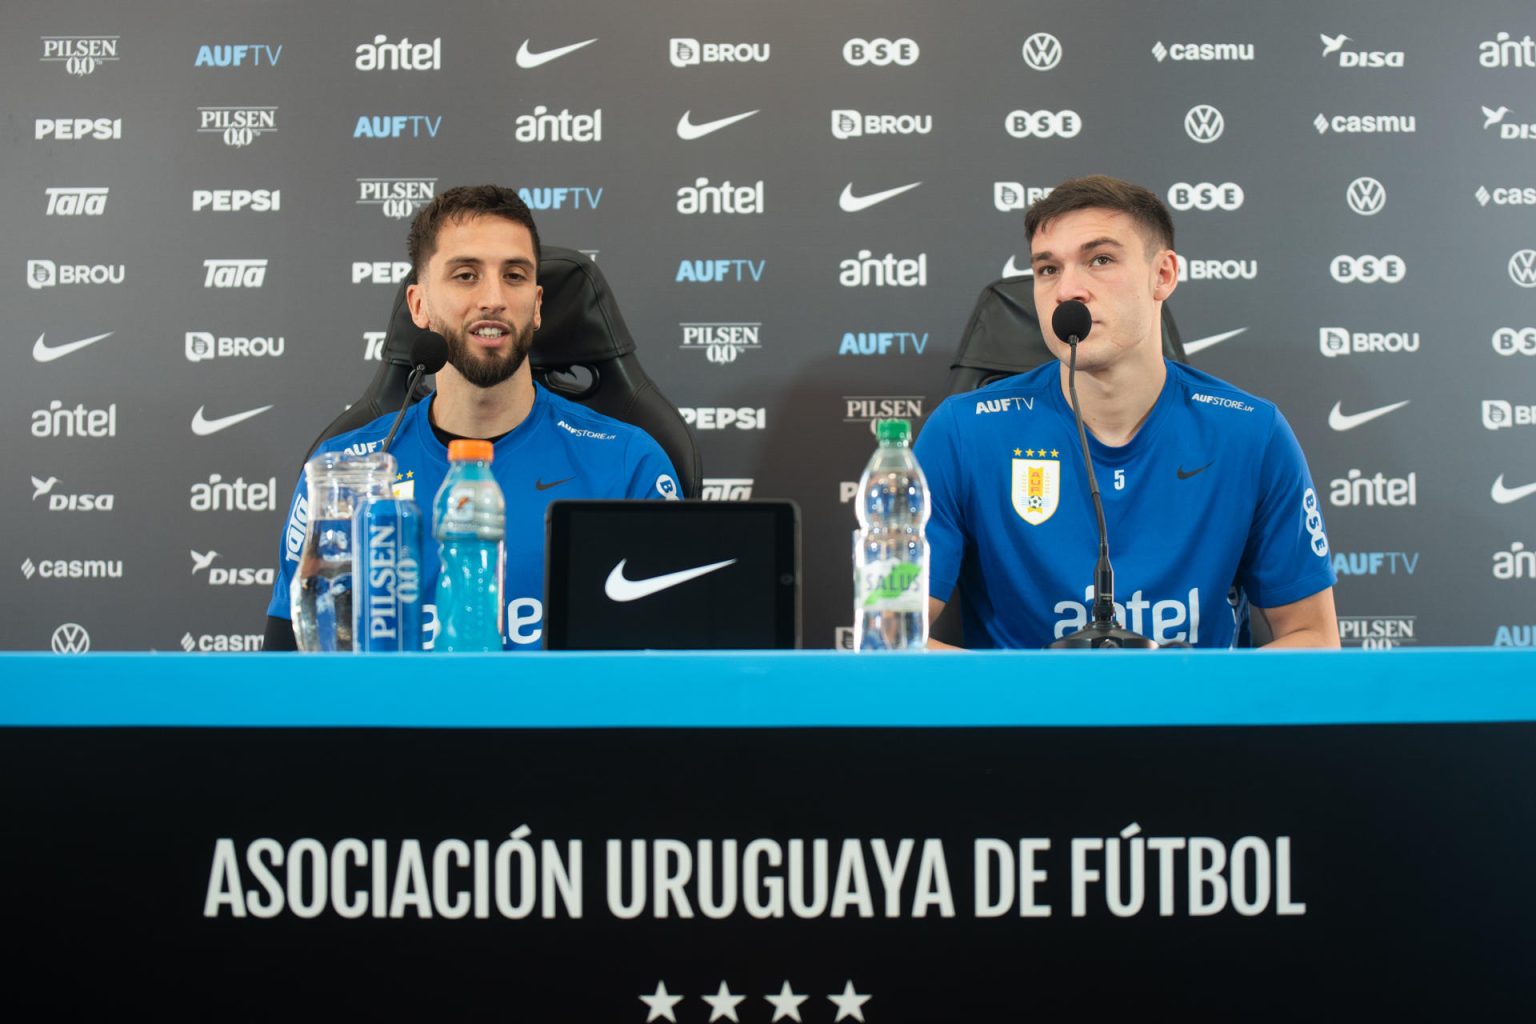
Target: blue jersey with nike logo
<point>1209,506</point>
<point>562,450</point>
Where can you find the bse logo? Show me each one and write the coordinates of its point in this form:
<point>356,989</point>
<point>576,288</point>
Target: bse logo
<point>869,408</point>
<point>1012,195</point>
<point>80,55</point>
<point>234,200</point>
<point>70,638</point>
<point>202,345</point>
<point>48,274</point>
<point>723,488</point>
<point>850,124</point>
<point>1366,124</point>
<point>1043,124</point>
<point>1501,415</point>
<point>1312,519</point>
<point>1366,196</point>
<point>1205,196</point>
<point>396,198</point>
<point>235,273</point>
<point>1503,52</point>
<point>1368,269</point>
<point>685,53</point>
<point>720,342</point>
<point>542,126</point>
<point>74,129</point>
<point>237,126</point>
<point>382,55</point>
<point>743,418</point>
<point>1522,268</point>
<point>1042,51</point>
<point>1507,341</point>
<point>1204,123</point>
<point>881,52</point>
<point>1360,58</point>
<point>219,577</point>
<point>1337,341</point>
<point>702,197</point>
<point>77,202</point>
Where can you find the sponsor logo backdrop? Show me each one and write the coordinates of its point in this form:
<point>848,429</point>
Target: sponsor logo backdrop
<point>204,213</point>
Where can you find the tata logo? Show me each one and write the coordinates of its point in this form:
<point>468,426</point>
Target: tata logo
<point>726,488</point>
<point>869,408</point>
<point>235,55</point>
<point>1509,341</point>
<point>1202,51</point>
<point>382,272</point>
<point>235,200</point>
<point>1501,415</point>
<point>221,577</point>
<point>1366,124</point>
<point>58,421</point>
<point>702,197</point>
<point>202,345</point>
<point>1368,269</point>
<point>1359,58</point>
<point>850,124</point>
<point>1217,270</point>
<point>234,273</point>
<point>220,495</point>
<point>1043,124</point>
<point>564,197</point>
<point>687,53</point>
<point>1366,196</point>
<point>718,271</point>
<point>1517,563</point>
<point>1011,195</point>
<point>721,342</point>
<point>382,55</point>
<point>542,126</point>
<point>397,126</point>
<point>1505,196</point>
<point>1358,490</point>
<point>868,270</point>
<point>59,501</point>
<point>1522,268</point>
<point>75,129</point>
<point>237,126</point>
<point>1204,123</point>
<point>1205,196</point>
<point>1503,51</point>
<point>880,52</point>
<point>1042,51</point>
<point>396,198</point>
<point>80,55</point>
<point>1338,341</point>
<point>880,343</point>
<point>741,418</point>
<point>77,202</point>
<point>48,274</point>
<point>70,638</point>
<point>373,346</point>
<point>1377,632</point>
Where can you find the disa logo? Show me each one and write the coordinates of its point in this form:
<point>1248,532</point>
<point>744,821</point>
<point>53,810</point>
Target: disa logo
<point>1359,58</point>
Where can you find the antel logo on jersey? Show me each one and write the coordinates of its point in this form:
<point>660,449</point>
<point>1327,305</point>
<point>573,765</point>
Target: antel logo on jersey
<point>80,55</point>
<point>1217,270</point>
<point>867,270</point>
<point>1204,123</point>
<point>1368,269</point>
<point>542,126</point>
<point>1339,341</point>
<point>1042,51</point>
<point>397,126</point>
<point>1508,132</point>
<point>869,408</point>
<point>47,274</point>
<point>237,55</point>
<point>741,418</point>
<point>221,642</point>
<point>850,124</point>
<point>702,197</point>
<point>203,345</point>
<point>380,272</point>
<point>561,197</point>
<point>1505,196</point>
<point>77,202</point>
<point>57,421</point>
<point>1501,415</point>
<point>237,126</point>
<point>1510,341</point>
<point>234,273</point>
<point>1366,124</point>
<point>61,502</point>
<point>75,129</point>
<point>1359,58</point>
<point>382,55</point>
<point>1043,124</point>
<point>396,198</point>
<point>220,495</point>
<point>237,200</point>
<point>220,577</point>
<point>1522,268</point>
<point>1502,51</point>
<point>881,52</point>
<point>1012,195</point>
<point>1205,196</point>
<point>1359,490</point>
<point>720,342</point>
<point>73,569</point>
<point>1202,51</point>
<point>719,271</point>
<point>1366,196</point>
<point>880,343</point>
<point>1515,564</point>
<point>687,53</point>
<point>726,488</point>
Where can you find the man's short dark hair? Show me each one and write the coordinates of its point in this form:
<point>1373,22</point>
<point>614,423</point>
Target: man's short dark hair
<point>459,204</point>
<point>1101,192</point>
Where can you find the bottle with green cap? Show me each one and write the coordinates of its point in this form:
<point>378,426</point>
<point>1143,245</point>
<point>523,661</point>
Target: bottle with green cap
<point>890,551</point>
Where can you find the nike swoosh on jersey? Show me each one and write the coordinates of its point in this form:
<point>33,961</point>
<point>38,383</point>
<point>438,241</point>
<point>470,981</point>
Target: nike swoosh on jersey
<point>1340,420</point>
<point>542,486</point>
<point>1504,495</point>
<point>527,58</point>
<point>45,353</point>
<point>686,129</point>
<point>618,588</point>
<point>1185,476</point>
<point>1191,347</point>
<point>851,203</point>
<point>202,426</point>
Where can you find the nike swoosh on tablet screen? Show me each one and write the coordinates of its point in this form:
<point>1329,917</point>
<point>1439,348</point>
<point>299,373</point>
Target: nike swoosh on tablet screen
<point>1340,420</point>
<point>618,588</point>
<point>1504,495</point>
<point>851,203</point>
<point>527,58</point>
<point>686,129</point>
<point>202,426</point>
<point>45,353</point>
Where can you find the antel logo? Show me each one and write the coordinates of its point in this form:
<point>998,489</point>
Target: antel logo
<point>237,126</point>
<point>560,197</point>
<point>396,198</point>
<point>70,638</point>
<point>726,488</point>
<point>1043,124</point>
<point>80,55</point>
<point>1366,196</point>
<point>218,577</point>
<point>719,271</point>
<point>1504,52</point>
<point>381,272</point>
<point>1359,490</point>
<point>1205,196</point>
<point>1366,124</point>
<point>382,55</point>
<point>203,345</point>
<point>1202,51</point>
<point>1509,341</point>
<point>57,421</point>
<point>542,126</point>
<point>1204,123</point>
<point>850,124</point>
<point>702,197</point>
<point>720,342</point>
<point>869,408</point>
<point>61,502</point>
<point>1042,51</point>
<point>1517,563</point>
<point>881,52</point>
<point>1522,268</point>
<point>74,129</point>
<point>1339,341</point>
<point>234,273</point>
<point>868,270</point>
<point>1501,415</point>
<point>77,202</point>
<point>1508,132</point>
<point>220,495</point>
<point>397,126</point>
<point>1217,270</point>
<point>1505,196</point>
<point>1359,58</point>
<point>687,53</point>
<point>1012,195</point>
<point>47,274</point>
<point>236,200</point>
<point>1368,269</point>
<point>742,418</point>
<point>235,55</point>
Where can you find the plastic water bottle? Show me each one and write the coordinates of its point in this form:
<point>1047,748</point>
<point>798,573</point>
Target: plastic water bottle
<point>469,519</point>
<point>890,552</point>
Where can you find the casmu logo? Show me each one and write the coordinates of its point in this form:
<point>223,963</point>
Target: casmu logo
<point>689,52</point>
<point>1205,196</point>
<point>77,202</point>
<point>238,126</point>
<point>850,203</point>
<point>396,198</point>
<point>619,588</point>
<point>688,131</point>
<point>80,55</point>
<point>1359,58</point>
<point>73,129</point>
<point>203,427</point>
<point>1204,123</point>
<point>528,58</point>
<point>1011,195</point>
<point>1366,196</point>
<point>1202,51</point>
<point>235,273</point>
<point>1366,124</point>
<point>1337,341</point>
<point>1340,420</point>
<point>1043,124</point>
<point>850,124</point>
<point>1501,494</point>
<point>45,353</point>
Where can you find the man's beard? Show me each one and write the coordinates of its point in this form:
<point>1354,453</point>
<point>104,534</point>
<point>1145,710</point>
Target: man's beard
<point>486,369</point>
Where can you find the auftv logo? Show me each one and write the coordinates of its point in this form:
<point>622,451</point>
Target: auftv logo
<point>721,342</point>
<point>1522,268</point>
<point>1368,269</point>
<point>246,273</point>
<point>1043,124</point>
<point>1340,341</point>
<point>1334,45</point>
<point>1042,51</point>
<point>1510,341</point>
<point>1499,414</point>
<point>204,345</point>
<point>404,55</point>
<point>397,126</point>
<point>561,197</point>
<point>687,53</point>
<point>851,124</point>
<point>236,55</point>
<point>1013,195</point>
<point>881,52</point>
<point>237,126</point>
<point>77,202</point>
<point>80,55</point>
<point>1205,196</point>
<point>1366,196</point>
<point>880,343</point>
<point>75,129</point>
<point>396,198</point>
<point>1204,123</point>
<point>1375,563</point>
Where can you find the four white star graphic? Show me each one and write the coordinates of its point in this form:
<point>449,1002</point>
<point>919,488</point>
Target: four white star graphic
<point>786,1003</point>
<point>848,1003</point>
<point>723,1003</point>
<point>661,1003</point>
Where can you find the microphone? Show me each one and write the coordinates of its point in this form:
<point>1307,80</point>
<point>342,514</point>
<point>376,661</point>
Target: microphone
<point>429,353</point>
<point>1071,323</point>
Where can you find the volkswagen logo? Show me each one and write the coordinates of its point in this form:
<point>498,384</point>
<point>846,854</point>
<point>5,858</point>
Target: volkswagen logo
<point>70,638</point>
<point>1522,268</point>
<point>1366,196</point>
<point>1042,51</point>
<point>1204,123</point>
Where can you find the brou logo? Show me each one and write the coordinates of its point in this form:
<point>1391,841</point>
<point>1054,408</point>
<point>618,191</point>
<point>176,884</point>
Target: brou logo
<point>234,55</point>
<point>1205,196</point>
<point>1368,269</point>
<point>396,198</point>
<point>61,502</point>
<point>1042,51</point>
<point>77,202</point>
<point>1366,196</point>
<point>880,52</point>
<point>879,343</point>
<point>1043,124</point>
<point>850,124</point>
<point>1012,195</point>
<point>1507,341</point>
<point>1366,124</point>
<point>1501,415</point>
<point>542,126</point>
<point>382,55</point>
<point>684,53</point>
<point>1202,51</point>
<point>74,129</point>
<point>1504,52</point>
<point>201,345</point>
<point>1217,270</point>
<point>867,270</point>
<point>1339,341</point>
<point>80,55</point>
<point>1359,58</point>
<point>235,273</point>
<point>237,126</point>
<point>396,126</point>
<point>576,197</point>
<point>47,274</point>
<point>702,197</point>
<point>720,342</point>
<point>234,200</point>
<point>1204,123</point>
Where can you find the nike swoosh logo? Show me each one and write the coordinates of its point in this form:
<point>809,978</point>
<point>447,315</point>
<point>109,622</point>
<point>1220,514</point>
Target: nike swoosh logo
<point>542,486</point>
<point>686,129</point>
<point>1191,347</point>
<point>1504,495</point>
<point>1011,269</point>
<point>853,204</point>
<point>45,353</point>
<point>527,58</point>
<point>203,427</point>
<point>1340,420</point>
<point>1185,476</point>
<point>620,589</point>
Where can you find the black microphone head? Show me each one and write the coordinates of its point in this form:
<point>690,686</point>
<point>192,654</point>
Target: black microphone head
<point>1071,319</point>
<point>429,349</point>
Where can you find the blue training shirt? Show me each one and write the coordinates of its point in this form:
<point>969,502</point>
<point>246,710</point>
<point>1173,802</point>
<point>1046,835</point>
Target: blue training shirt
<point>1208,507</point>
<point>562,450</point>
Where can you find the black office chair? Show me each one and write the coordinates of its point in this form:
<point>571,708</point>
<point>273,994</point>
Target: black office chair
<point>583,351</point>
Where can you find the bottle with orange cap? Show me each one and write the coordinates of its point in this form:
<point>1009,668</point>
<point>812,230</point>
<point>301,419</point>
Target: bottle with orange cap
<point>469,517</point>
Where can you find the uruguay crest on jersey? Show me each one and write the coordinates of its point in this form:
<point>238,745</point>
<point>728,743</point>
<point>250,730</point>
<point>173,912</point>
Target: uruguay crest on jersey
<point>1036,487</point>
